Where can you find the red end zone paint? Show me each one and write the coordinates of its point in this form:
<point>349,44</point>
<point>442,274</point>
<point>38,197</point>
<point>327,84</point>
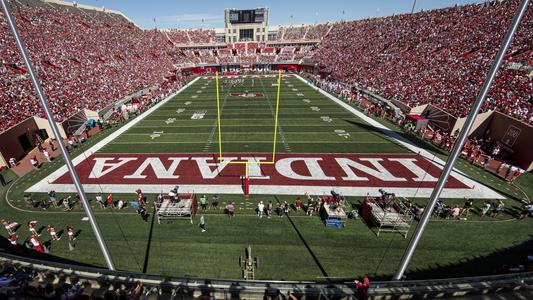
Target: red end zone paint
<point>350,170</point>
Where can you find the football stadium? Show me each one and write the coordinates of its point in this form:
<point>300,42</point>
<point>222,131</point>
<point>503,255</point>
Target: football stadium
<point>376,157</point>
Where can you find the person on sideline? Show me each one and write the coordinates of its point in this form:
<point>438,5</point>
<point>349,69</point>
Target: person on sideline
<point>260,209</point>
<point>202,224</point>
<point>53,234</point>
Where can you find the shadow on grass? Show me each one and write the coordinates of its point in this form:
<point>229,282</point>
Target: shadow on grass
<point>21,250</point>
<point>494,263</point>
<point>149,243</point>
<point>319,265</point>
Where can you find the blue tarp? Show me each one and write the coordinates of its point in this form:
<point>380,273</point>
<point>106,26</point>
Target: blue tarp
<point>91,123</point>
<point>334,223</point>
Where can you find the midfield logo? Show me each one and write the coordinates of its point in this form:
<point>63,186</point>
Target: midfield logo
<point>247,95</point>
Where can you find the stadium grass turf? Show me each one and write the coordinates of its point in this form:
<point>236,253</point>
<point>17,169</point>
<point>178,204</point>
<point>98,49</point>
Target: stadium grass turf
<point>247,124</point>
<point>299,248</point>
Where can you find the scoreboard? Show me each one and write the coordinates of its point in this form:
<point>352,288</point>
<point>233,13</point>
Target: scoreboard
<point>245,25</point>
<point>246,16</point>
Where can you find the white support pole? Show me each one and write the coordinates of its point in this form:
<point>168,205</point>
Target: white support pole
<point>460,141</point>
<point>55,130</point>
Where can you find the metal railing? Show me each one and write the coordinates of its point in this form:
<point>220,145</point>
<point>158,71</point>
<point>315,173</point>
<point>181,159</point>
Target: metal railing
<point>343,288</point>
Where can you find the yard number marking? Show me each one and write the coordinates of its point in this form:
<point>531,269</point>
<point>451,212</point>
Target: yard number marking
<point>326,119</point>
<point>156,134</point>
<point>170,120</point>
<point>342,132</point>
<point>315,108</point>
<point>198,115</point>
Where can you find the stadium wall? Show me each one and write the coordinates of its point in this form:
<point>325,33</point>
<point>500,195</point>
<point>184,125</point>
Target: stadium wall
<point>479,121</point>
<point>3,161</point>
<point>390,103</point>
<point>20,139</point>
<point>513,135</point>
<point>418,110</point>
<point>439,118</point>
<point>43,124</point>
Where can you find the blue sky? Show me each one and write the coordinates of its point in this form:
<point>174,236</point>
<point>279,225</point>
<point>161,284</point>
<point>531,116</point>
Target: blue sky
<point>190,13</point>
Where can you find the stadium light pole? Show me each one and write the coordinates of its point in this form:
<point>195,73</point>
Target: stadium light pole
<point>448,167</point>
<point>55,130</point>
<point>413,7</point>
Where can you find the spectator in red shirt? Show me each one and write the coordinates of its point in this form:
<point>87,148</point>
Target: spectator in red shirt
<point>298,204</point>
<point>362,288</point>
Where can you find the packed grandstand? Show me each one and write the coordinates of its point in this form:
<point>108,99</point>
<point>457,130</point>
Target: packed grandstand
<point>426,57</point>
<point>370,110</point>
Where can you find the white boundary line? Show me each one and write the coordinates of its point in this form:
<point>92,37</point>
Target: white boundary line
<point>481,191</point>
<point>223,189</point>
<point>252,142</point>
<point>43,185</point>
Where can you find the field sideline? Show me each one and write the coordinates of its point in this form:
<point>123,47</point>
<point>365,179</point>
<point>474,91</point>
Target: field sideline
<point>295,248</point>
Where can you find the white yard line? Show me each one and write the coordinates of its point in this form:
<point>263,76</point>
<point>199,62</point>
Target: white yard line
<point>266,113</point>
<point>224,189</point>
<point>237,125</point>
<point>256,142</point>
<point>232,119</point>
<point>286,145</point>
<point>483,191</point>
<point>215,126</point>
<point>247,132</point>
<point>41,185</point>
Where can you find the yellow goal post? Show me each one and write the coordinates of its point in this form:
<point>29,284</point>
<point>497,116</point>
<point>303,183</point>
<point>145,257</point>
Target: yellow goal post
<point>219,125</point>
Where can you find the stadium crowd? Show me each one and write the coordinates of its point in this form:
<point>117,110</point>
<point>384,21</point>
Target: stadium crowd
<point>438,56</point>
<point>303,32</point>
<point>427,57</point>
<point>78,60</point>
<point>192,36</point>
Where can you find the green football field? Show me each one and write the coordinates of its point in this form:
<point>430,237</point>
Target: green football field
<point>289,248</point>
<point>308,122</point>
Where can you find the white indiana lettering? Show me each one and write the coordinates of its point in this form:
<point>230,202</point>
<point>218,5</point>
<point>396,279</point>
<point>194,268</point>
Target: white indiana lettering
<point>284,167</point>
<point>158,167</point>
<point>254,169</point>
<point>379,172</point>
<point>409,164</point>
<point>205,169</point>
<point>101,163</point>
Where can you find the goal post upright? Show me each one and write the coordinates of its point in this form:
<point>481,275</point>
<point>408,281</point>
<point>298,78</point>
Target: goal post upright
<point>247,163</point>
<point>218,119</point>
<point>276,118</point>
